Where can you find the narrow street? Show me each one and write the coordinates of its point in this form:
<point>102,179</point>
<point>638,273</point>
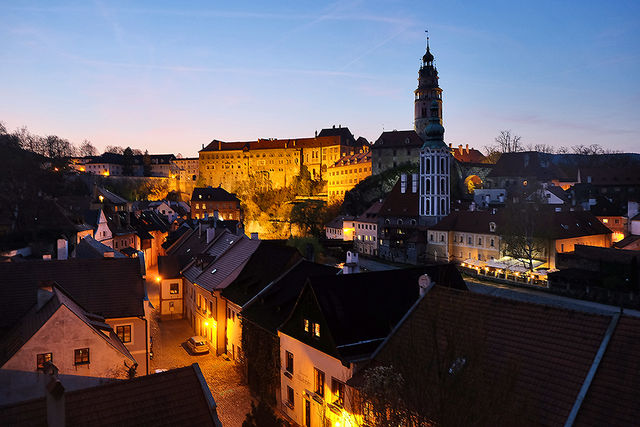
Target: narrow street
<point>169,351</point>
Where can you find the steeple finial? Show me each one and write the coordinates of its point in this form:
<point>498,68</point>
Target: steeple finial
<point>427,31</point>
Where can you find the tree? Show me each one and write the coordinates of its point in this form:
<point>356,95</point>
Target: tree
<point>523,230</point>
<point>146,163</point>
<point>114,149</point>
<point>308,216</point>
<point>262,415</point>
<point>505,142</point>
<point>87,149</point>
<point>127,161</point>
<point>3,129</point>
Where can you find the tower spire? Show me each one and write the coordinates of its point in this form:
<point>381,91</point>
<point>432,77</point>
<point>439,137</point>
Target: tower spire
<point>427,31</point>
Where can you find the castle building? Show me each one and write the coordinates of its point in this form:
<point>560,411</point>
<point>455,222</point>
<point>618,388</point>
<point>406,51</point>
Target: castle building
<point>346,173</point>
<point>271,162</point>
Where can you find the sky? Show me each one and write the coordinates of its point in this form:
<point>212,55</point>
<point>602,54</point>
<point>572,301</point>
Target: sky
<point>172,76</point>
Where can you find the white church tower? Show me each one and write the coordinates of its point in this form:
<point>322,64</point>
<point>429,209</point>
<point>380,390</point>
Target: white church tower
<point>435,166</point>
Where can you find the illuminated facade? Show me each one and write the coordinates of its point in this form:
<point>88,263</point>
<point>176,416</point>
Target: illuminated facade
<point>269,162</point>
<point>346,173</point>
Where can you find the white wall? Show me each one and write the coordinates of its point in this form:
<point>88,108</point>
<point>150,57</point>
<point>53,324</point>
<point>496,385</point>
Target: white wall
<point>305,359</point>
<point>61,335</point>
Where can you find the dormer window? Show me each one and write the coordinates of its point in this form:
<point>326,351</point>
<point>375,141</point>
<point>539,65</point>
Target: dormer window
<point>492,227</point>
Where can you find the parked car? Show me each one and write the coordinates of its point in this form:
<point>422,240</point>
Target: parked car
<point>198,344</point>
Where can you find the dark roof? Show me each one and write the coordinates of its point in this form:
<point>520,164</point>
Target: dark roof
<point>272,307</point>
<point>569,224</point>
<point>39,315</point>
<point>545,351</point>
<point>338,222</point>
<point>362,309</point>
<point>109,287</point>
<point>598,254</point>
<point>398,138</point>
<point>469,222</point>
<point>371,214</point>
<point>90,248</point>
<point>168,267</point>
<point>612,398</point>
<point>401,204</point>
<point>611,176</point>
<point>110,196</point>
<point>210,193</point>
<point>528,164</point>
<point>176,397</point>
<point>346,137</point>
<point>267,263</point>
<point>173,236</point>
<point>262,144</point>
<point>626,242</point>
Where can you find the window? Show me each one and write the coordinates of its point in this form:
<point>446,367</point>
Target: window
<point>42,358</point>
<point>124,333</point>
<point>307,329</point>
<point>290,397</point>
<point>480,241</point>
<point>289,362</point>
<point>174,288</point>
<point>337,388</point>
<point>81,356</point>
<point>442,237</point>
<point>316,330</point>
<point>469,240</point>
<point>319,382</point>
<point>491,243</point>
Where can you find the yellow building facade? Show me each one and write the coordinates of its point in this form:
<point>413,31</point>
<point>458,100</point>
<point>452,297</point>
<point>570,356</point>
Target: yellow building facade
<point>346,173</point>
<point>270,162</point>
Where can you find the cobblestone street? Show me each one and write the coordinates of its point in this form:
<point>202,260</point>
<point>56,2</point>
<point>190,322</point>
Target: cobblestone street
<point>169,337</point>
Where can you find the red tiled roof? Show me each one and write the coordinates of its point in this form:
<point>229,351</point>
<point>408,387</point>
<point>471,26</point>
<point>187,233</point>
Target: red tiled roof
<point>613,397</point>
<point>262,144</point>
<point>179,397</point>
<point>467,155</point>
<point>353,159</point>
<point>545,351</point>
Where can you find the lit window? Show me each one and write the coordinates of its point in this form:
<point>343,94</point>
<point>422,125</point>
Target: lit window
<point>289,362</point>
<point>290,397</point>
<point>337,388</point>
<point>42,359</point>
<point>174,288</point>
<point>81,356</point>
<point>605,220</point>
<point>319,382</point>
<point>306,326</point>
<point>316,330</point>
<point>124,333</point>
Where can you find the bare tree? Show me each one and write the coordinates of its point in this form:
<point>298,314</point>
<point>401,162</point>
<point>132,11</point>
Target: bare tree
<point>509,142</point>
<point>87,149</point>
<point>523,229</point>
<point>3,129</point>
<point>541,148</point>
<point>114,149</point>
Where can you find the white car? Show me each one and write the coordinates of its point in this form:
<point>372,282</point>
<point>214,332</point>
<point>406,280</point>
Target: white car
<point>198,344</point>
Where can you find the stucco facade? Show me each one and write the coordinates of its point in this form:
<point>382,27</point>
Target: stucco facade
<point>61,335</point>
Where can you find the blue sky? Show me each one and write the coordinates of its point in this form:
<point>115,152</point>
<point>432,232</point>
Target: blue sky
<point>171,76</point>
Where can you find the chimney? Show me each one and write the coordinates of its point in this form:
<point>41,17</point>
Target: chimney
<point>55,397</point>
<point>63,249</point>
<point>44,294</point>
<point>216,215</point>
<point>403,183</point>
<point>203,146</point>
<point>414,183</point>
<point>460,148</point>
<point>425,284</point>
<point>316,133</point>
<point>450,145</point>
<point>211,234</point>
<point>219,145</point>
<point>467,148</point>
<point>254,236</point>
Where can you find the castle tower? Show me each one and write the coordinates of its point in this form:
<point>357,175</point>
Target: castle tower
<point>427,92</point>
<point>435,166</point>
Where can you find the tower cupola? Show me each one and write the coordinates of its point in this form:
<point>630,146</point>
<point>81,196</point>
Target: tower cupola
<point>427,92</point>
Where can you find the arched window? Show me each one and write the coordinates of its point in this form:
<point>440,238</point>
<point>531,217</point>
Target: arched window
<point>428,207</point>
<point>427,169</point>
<point>442,207</point>
<point>442,166</point>
<point>387,221</point>
<point>442,186</point>
<point>399,222</point>
<point>413,222</point>
<point>427,186</point>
